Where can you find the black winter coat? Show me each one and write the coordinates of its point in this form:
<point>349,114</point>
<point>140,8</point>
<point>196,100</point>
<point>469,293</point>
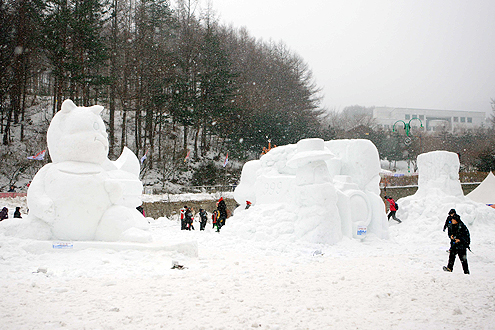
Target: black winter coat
<point>459,231</point>
<point>4,214</point>
<point>188,217</point>
<point>203,216</point>
<point>222,207</point>
<point>448,222</point>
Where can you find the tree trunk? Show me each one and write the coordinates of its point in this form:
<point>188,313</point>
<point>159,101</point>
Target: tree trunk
<point>6,135</point>
<point>113,77</point>
<point>196,155</point>
<point>123,126</point>
<point>23,107</point>
<point>185,137</point>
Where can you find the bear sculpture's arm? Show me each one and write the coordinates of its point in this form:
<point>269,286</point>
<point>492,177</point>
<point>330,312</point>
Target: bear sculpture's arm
<point>39,204</point>
<point>123,185</point>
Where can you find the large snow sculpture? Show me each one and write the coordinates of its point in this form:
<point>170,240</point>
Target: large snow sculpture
<point>439,190</point>
<point>326,190</point>
<point>439,174</point>
<point>83,195</point>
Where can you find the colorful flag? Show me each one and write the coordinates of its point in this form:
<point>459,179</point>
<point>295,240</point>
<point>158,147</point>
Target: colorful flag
<point>39,156</point>
<point>144,157</point>
<point>226,160</point>
<point>187,156</point>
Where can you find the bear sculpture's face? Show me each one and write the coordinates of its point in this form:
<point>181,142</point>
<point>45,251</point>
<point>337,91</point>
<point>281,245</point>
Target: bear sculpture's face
<point>78,134</point>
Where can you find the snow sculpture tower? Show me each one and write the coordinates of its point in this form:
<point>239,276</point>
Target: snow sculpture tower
<point>83,195</point>
<point>317,215</point>
<point>439,174</point>
<point>439,190</point>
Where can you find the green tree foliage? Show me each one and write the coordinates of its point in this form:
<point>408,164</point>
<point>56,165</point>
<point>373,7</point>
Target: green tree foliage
<point>206,175</point>
<point>19,48</point>
<point>485,162</point>
<point>173,79</point>
<point>75,49</point>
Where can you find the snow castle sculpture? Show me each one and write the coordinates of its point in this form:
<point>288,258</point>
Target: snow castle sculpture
<point>83,195</point>
<point>332,187</point>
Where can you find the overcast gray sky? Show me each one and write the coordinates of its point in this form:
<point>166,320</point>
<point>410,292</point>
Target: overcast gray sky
<point>432,54</point>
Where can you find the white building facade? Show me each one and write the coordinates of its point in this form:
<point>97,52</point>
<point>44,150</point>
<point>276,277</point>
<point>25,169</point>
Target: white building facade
<point>432,120</point>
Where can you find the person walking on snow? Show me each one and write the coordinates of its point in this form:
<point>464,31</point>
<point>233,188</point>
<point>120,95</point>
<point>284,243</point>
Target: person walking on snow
<point>214,219</point>
<point>222,208</point>
<point>4,214</point>
<point>189,218</point>
<point>182,218</point>
<point>459,242</point>
<point>448,221</point>
<point>204,218</point>
<point>393,208</point>
<point>17,212</point>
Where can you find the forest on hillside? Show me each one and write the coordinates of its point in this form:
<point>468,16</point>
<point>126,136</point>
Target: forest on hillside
<point>173,81</point>
<point>175,85</point>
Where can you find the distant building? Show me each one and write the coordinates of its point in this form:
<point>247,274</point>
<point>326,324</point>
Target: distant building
<point>432,120</point>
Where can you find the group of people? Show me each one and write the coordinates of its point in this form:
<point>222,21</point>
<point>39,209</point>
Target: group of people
<point>457,231</point>
<point>4,213</point>
<point>218,217</point>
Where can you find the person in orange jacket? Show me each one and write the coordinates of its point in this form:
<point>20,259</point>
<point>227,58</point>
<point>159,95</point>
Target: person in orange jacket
<point>214,219</point>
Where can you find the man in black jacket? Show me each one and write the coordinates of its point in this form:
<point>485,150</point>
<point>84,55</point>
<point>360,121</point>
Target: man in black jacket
<point>204,218</point>
<point>459,242</point>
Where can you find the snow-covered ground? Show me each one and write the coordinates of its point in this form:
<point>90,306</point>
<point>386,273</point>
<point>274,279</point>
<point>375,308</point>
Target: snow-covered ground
<point>235,283</point>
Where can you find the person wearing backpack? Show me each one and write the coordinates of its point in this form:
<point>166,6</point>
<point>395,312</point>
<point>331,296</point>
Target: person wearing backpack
<point>222,208</point>
<point>189,218</point>
<point>204,219</point>
<point>393,207</point>
<point>448,221</point>
<point>460,240</point>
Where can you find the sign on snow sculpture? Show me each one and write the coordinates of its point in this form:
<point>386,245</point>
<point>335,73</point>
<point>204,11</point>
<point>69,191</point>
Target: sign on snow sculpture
<point>332,187</point>
<point>82,195</point>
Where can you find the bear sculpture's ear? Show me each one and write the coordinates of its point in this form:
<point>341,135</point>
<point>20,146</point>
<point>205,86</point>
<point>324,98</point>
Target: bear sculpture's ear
<point>68,106</point>
<point>96,109</point>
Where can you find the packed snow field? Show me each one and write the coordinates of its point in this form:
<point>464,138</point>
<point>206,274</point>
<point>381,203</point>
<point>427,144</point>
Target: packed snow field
<point>238,283</point>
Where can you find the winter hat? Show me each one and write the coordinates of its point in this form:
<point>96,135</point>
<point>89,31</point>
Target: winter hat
<point>452,211</point>
<point>221,199</point>
<point>248,202</point>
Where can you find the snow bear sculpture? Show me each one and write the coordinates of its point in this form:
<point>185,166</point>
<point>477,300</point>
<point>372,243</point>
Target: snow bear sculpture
<point>83,195</point>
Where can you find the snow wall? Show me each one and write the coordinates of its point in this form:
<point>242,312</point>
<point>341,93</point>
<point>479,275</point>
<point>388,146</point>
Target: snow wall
<point>314,191</point>
<point>439,190</point>
<point>82,195</point>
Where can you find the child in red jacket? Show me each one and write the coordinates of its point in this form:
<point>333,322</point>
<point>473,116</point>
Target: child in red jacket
<point>393,208</point>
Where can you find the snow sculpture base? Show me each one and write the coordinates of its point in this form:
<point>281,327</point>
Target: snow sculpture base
<point>314,191</point>
<point>189,249</point>
<point>83,195</point>
<point>439,190</point>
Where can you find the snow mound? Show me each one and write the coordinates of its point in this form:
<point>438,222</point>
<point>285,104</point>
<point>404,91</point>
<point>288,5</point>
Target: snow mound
<point>439,190</point>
